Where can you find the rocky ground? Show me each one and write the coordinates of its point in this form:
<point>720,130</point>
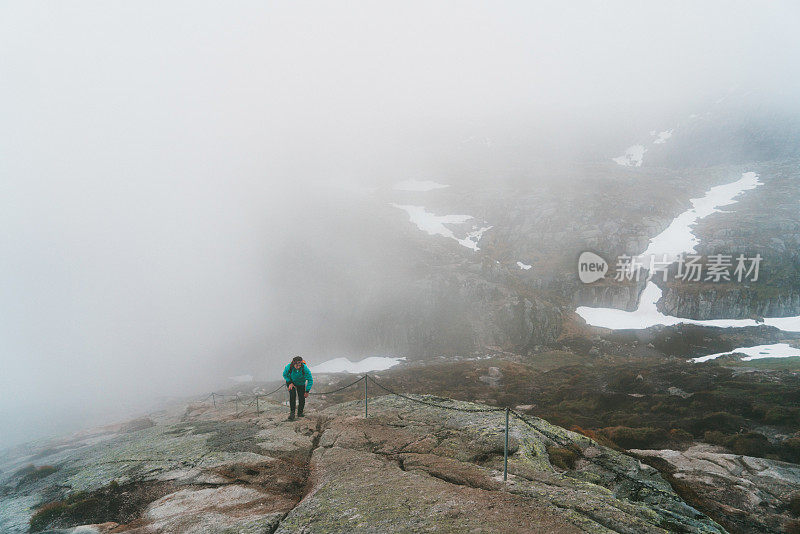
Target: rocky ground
<point>746,493</point>
<point>636,390</point>
<point>407,468</point>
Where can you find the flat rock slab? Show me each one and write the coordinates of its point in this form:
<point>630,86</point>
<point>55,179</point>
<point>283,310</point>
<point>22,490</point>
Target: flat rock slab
<point>224,509</point>
<point>361,492</point>
<point>418,468</point>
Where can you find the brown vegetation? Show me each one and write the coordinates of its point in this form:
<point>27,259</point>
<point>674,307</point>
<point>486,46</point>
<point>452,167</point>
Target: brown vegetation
<point>627,403</point>
<point>120,503</point>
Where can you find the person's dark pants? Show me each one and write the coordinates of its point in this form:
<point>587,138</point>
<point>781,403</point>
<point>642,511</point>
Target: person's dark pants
<point>295,393</point>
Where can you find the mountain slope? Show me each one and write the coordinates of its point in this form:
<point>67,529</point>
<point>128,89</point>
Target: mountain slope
<point>407,468</point>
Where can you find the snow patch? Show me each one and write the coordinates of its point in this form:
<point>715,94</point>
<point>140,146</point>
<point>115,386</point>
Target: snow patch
<point>418,185</point>
<point>473,238</point>
<point>523,266</point>
<point>788,324</point>
<point>678,237</point>
<point>632,157</point>
<point>775,350</point>
<point>434,224</point>
<point>647,315</point>
<point>662,137</point>
<point>343,365</point>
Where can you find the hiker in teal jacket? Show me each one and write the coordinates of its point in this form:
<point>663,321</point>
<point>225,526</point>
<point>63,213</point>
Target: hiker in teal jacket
<point>298,380</point>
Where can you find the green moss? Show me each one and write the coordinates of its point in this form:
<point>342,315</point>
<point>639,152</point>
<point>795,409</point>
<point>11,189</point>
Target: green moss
<point>115,502</point>
<point>680,436</point>
<point>47,515</point>
<point>637,438</point>
<point>564,457</point>
<point>747,444</point>
<point>31,473</point>
<point>788,364</point>
<point>792,527</point>
<point>571,391</point>
<point>781,415</point>
<point>794,505</point>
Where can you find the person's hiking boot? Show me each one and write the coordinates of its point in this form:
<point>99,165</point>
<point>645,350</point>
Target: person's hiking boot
<point>291,417</point>
<point>300,414</point>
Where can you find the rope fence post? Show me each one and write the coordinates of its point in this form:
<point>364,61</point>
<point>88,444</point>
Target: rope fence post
<point>258,408</point>
<point>214,400</point>
<point>365,395</point>
<point>505,451</point>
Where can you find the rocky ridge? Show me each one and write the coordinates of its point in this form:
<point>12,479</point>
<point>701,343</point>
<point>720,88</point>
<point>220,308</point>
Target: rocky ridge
<point>407,468</point>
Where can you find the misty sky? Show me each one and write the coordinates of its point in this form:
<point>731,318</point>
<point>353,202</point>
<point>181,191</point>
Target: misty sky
<point>158,160</point>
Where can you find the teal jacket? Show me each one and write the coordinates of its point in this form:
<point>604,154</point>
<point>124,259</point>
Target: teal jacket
<point>298,377</point>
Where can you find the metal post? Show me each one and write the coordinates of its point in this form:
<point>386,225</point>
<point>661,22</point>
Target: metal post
<point>365,395</point>
<point>214,400</point>
<point>258,409</point>
<point>505,450</point>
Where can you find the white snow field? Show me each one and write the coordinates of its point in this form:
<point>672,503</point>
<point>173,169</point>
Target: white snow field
<point>776,350</point>
<point>435,225</point>
<point>678,237</point>
<point>632,157</point>
<point>646,315</point>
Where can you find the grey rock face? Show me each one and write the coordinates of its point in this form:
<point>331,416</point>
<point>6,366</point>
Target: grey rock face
<point>765,221</point>
<point>748,494</point>
<point>459,312</point>
<point>623,297</point>
<point>729,301</point>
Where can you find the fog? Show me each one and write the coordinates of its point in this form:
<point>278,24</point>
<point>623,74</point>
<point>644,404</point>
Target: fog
<point>173,174</point>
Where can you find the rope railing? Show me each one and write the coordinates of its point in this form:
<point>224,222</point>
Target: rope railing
<point>436,405</point>
<point>367,378</point>
<point>337,389</point>
<point>596,460</point>
<point>237,399</point>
